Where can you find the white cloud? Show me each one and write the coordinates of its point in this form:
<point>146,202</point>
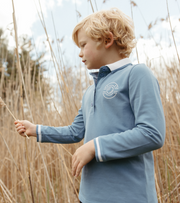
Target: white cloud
<point>26,16</point>
<point>163,30</point>
<point>174,22</point>
<point>160,47</point>
<point>43,45</point>
<point>51,3</point>
<point>59,2</point>
<point>79,2</point>
<point>155,54</point>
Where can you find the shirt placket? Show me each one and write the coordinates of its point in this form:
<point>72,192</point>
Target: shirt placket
<point>104,71</point>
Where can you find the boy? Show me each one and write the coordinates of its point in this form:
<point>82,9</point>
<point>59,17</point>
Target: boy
<point>121,118</point>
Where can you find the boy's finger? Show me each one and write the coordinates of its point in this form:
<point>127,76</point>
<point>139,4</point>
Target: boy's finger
<point>18,124</point>
<point>23,135</point>
<point>21,131</point>
<point>78,170</point>
<point>20,128</point>
<point>74,166</point>
<point>17,121</point>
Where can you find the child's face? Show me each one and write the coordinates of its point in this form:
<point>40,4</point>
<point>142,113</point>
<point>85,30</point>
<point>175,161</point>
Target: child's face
<point>92,56</point>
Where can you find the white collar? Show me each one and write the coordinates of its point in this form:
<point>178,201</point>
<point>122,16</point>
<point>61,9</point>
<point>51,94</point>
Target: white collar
<point>115,65</point>
<point>119,64</point>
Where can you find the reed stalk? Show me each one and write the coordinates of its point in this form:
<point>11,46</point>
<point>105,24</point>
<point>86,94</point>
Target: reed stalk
<point>91,6</point>
<point>2,194</point>
<point>132,19</point>
<point>21,95</point>
<point>172,31</point>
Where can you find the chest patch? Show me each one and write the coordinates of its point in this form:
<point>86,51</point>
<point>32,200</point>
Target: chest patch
<point>110,90</point>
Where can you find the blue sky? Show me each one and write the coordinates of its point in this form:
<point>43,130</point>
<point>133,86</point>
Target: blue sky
<point>65,18</point>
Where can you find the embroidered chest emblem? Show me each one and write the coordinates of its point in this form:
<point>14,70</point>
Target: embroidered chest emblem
<point>110,90</point>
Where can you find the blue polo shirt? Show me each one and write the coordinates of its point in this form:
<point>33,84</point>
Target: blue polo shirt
<point>122,112</point>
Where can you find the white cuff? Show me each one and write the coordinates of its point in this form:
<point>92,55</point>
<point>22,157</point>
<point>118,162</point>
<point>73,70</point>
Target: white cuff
<point>39,133</point>
<point>98,150</point>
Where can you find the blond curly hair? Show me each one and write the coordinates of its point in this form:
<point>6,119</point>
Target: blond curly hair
<point>99,24</point>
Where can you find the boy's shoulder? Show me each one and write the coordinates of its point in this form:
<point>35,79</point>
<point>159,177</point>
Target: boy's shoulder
<point>140,70</point>
<point>140,66</point>
<point>135,74</point>
<point>133,70</point>
<point>142,75</point>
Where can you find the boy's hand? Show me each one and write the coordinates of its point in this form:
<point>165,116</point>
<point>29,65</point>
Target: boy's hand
<point>25,126</point>
<point>82,156</point>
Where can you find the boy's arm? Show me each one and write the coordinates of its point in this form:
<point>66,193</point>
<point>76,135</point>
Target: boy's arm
<point>68,134</point>
<point>149,131</point>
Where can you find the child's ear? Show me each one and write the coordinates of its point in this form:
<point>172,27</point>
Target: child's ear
<point>109,40</point>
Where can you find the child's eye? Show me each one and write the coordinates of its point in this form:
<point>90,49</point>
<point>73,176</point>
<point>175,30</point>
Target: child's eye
<point>83,45</point>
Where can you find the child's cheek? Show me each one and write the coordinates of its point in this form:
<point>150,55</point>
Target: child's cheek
<point>91,54</point>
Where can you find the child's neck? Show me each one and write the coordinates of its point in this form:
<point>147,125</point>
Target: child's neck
<point>112,55</point>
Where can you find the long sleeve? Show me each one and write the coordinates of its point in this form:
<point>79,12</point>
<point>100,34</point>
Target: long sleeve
<point>148,133</point>
<point>68,134</point>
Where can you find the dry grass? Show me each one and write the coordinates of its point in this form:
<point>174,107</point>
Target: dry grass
<point>13,157</point>
<point>49,165</point>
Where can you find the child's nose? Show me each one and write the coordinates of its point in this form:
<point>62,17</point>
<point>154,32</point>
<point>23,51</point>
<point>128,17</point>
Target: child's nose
<point>80,54</point>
